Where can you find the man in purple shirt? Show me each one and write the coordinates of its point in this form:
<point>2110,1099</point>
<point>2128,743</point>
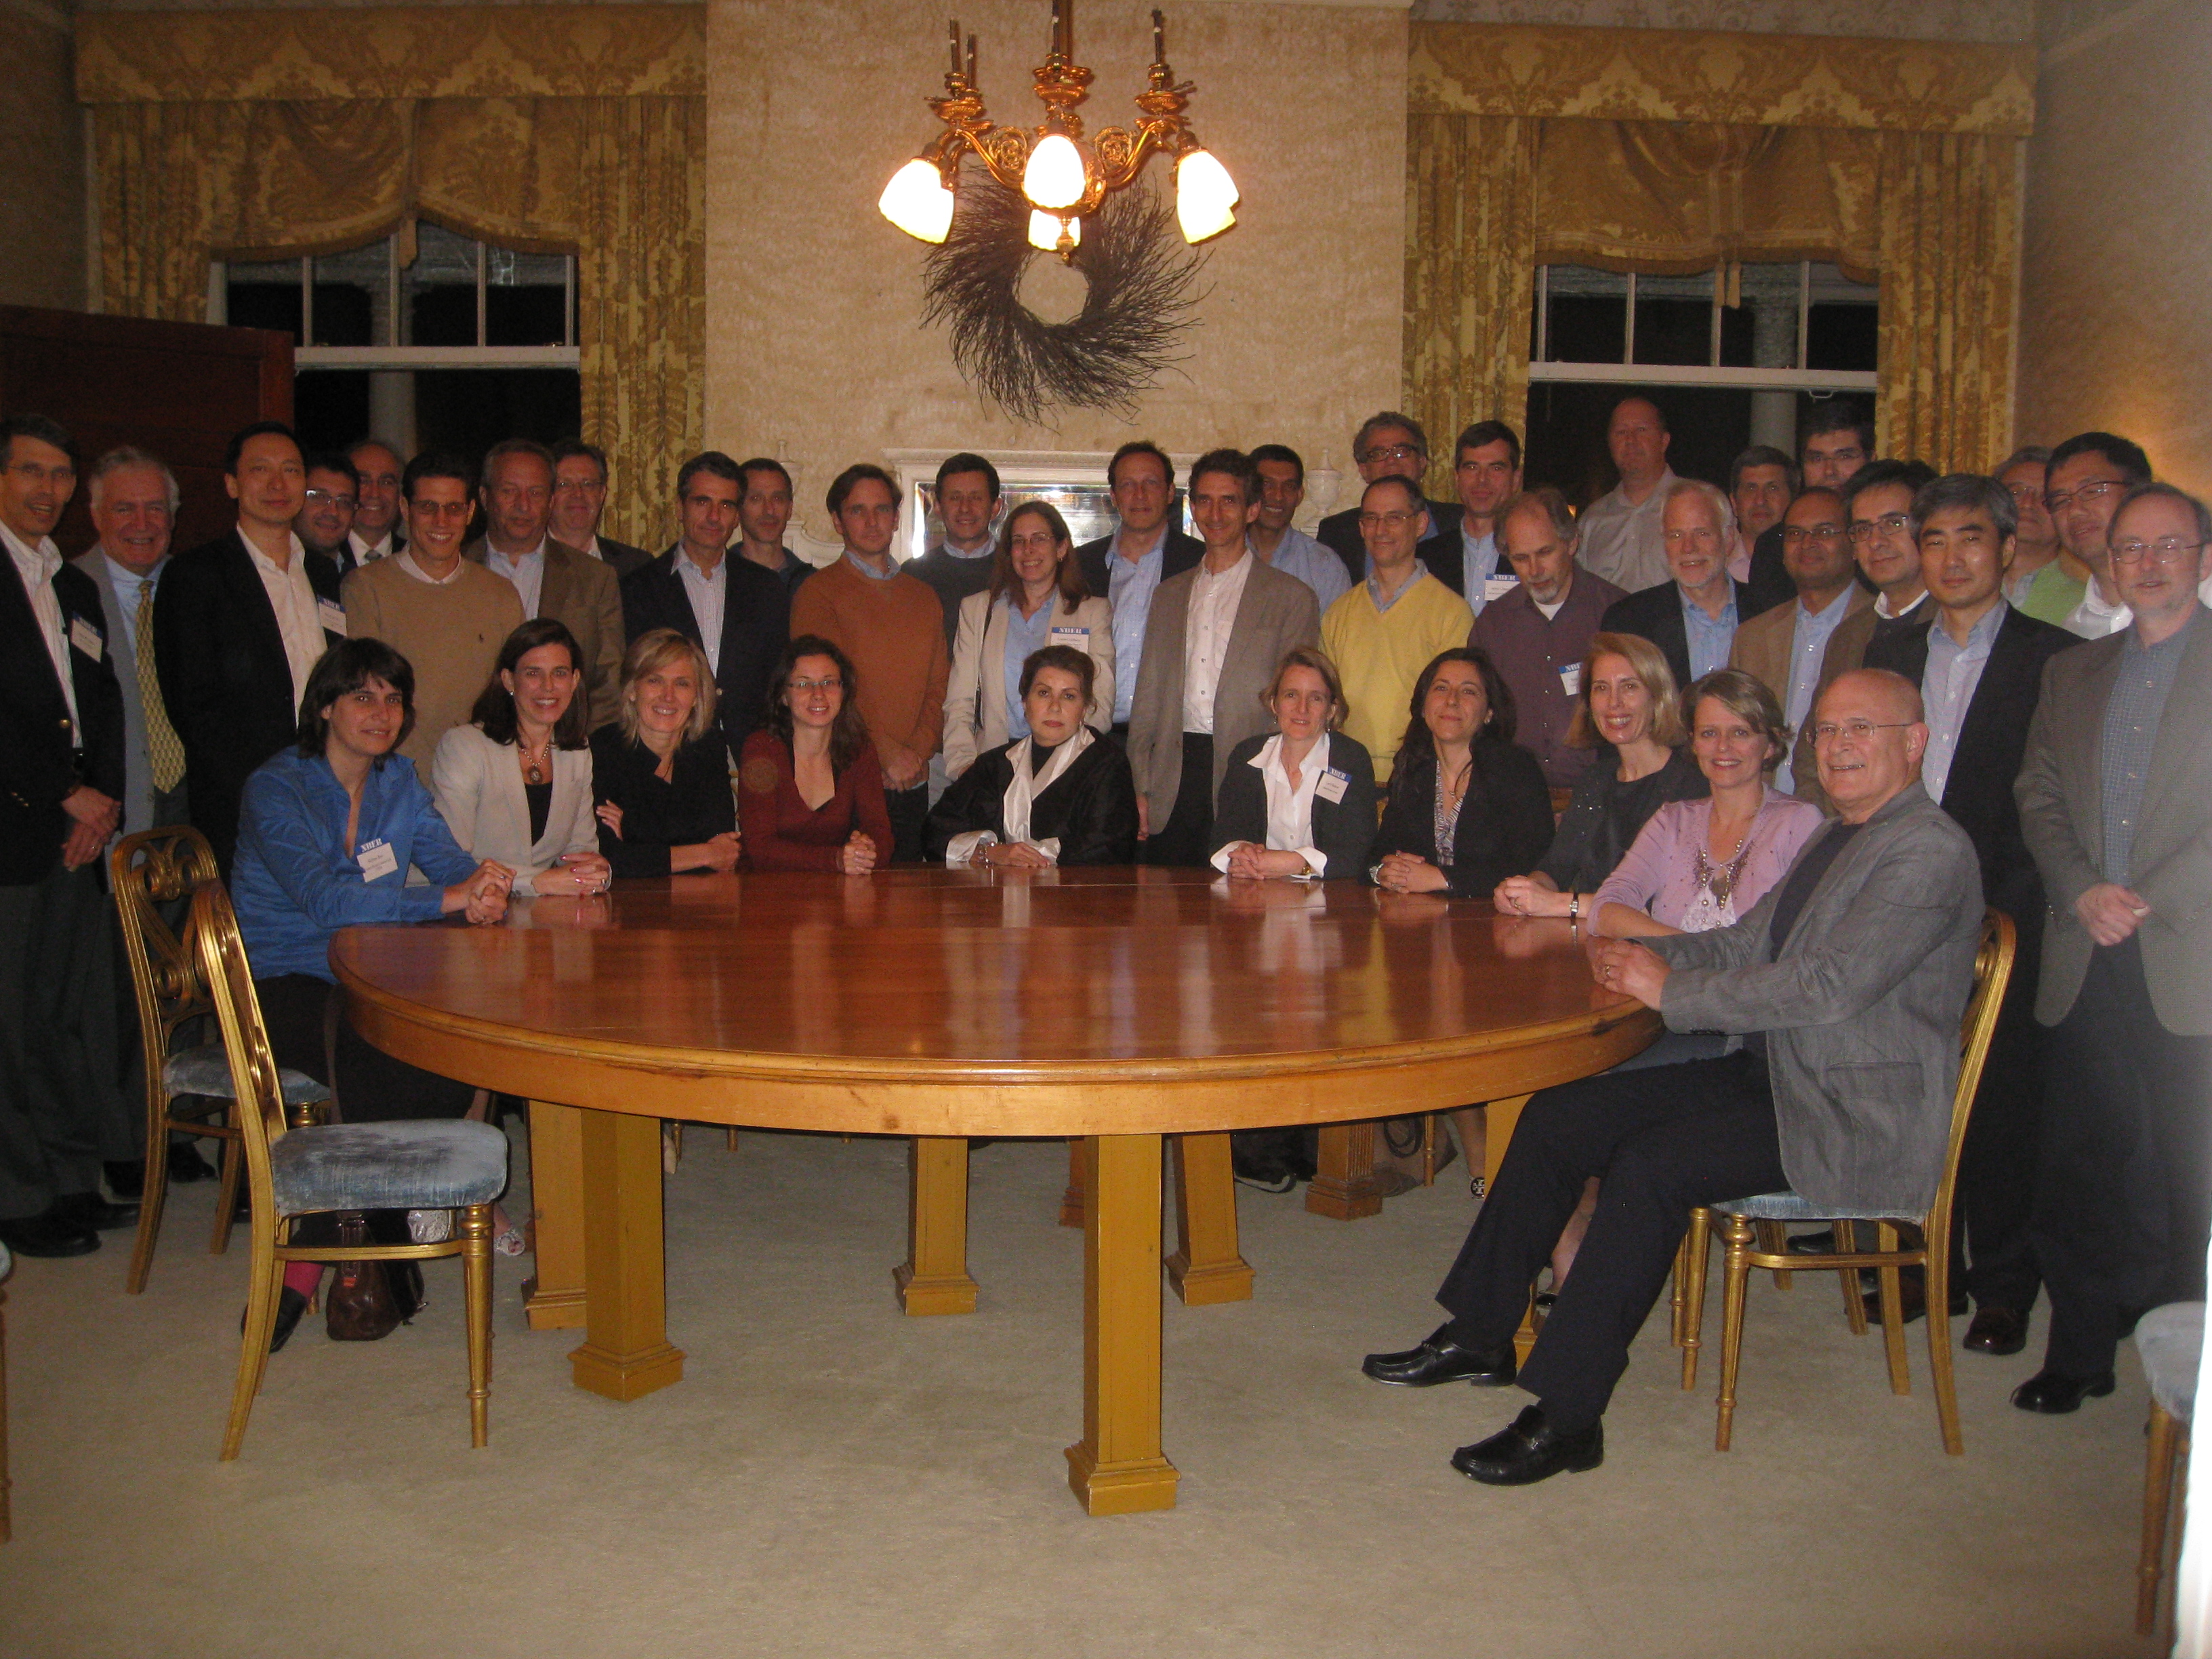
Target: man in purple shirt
<point>1537,632</point>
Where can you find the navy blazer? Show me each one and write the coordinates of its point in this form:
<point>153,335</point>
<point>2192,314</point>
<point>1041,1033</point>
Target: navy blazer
<point>1992,741</point>
<point>755,627</point>
<point>1504,823</point>
<point>1343,830</point>
<point>43,756</point>
<point>1096,559</point>
<point>225,678</point>
<point>1655,614</point>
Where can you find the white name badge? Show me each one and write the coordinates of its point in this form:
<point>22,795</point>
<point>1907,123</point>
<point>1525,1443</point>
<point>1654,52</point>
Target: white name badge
<point>1077,637</point>
<point>333,617</point>
<point>1332,785</point>
<point>85,637</point>
<point>1570,679</point>
<point>1495,588</point>
<point>377,860</point>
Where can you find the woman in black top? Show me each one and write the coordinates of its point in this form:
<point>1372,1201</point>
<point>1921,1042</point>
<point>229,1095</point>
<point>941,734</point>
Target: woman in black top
<point>1632,712</point>
<point>1301,802</point>
<point>1467,807</point>
<point>1063,795</point>
<point>660,771</point>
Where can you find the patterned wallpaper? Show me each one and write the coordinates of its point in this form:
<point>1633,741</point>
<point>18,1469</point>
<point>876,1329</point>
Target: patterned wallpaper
<point>1895,19</point>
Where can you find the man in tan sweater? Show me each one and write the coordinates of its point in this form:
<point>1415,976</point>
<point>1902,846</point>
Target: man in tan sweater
<point>892,626</point>
<point>447,615</point>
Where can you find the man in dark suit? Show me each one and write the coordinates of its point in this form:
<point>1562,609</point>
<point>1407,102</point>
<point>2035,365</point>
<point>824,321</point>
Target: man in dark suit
<point>579,497</point>
<point>134,505</point>
<point>763,515</point>
<point>1835,442</point>
<point>379,528</point>
<point>1979,666</point>
<point>62,1110</point>
<point>1392,446</point>
<point>242,623</point>
<point>747,611</point>
<point>1129,565</point>
<point>325,523</point>
<point>2115,797</point>
<point>1692,619</point>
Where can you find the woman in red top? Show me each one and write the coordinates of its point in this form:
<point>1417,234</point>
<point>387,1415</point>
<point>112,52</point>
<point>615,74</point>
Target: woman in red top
<point>810,788</point>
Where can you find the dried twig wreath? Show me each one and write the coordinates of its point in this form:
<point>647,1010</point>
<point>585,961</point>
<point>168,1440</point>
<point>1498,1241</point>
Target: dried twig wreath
<point>1142,293</point>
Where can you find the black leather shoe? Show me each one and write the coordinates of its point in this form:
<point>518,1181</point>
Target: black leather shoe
<point>1912,1301</point>
<point>186,1165</point>
<point>91,1209</point>
<point>2054,1393</point>
<point>1440,1360</point>
<point>126,1180</point>
<point>1529,1451</point>
<point>49,1234</point>
<point>1996,1330</point>
<point>290,1305</point>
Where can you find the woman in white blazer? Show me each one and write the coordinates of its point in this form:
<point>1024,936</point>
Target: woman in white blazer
<point>1038,598</point>
<point>516,785</point>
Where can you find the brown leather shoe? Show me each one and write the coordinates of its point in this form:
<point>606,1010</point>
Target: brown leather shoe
<point>1998,1330</point>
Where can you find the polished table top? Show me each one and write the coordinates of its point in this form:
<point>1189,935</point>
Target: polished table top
<point>1051,988</point>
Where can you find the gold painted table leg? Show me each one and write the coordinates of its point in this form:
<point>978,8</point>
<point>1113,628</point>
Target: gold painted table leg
<point>1205,1268</point>
<point>626,1352</point>
<point>1117,1468</point>
<point>934,1278</point>
<point>553,1296</point>
<point>1344,1185</point>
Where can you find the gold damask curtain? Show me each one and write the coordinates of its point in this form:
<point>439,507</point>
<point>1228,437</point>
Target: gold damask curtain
<point>1669,151</point>
<point>269,135</point>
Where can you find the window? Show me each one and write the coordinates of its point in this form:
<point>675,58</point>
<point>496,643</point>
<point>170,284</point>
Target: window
<point>1725,376</point>
<point>468,344</point>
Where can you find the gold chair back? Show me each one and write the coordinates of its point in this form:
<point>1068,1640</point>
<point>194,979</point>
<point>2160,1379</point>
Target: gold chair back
<point>259,1109</point>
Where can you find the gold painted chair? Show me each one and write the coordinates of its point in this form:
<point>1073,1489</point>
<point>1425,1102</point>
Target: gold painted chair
<point>432,1164</point>
<point>1740,1217</point>
<point>154,875</point>
<point>2171,1340</point>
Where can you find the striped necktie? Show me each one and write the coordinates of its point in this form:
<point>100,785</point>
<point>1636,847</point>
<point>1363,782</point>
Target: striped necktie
<point>163,747</point>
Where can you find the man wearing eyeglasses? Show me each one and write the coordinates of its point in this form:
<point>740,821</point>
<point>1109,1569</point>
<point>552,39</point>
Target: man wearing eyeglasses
<point>580,499</point>
<point>1623,535</point>
<point>1383,631</point>
<point>2045,580</point>
<point>326,520</point>
<point>1844,985</point>
<point>1784,647</point>
<point>1387,445</point>
<point>2115,798</point>
<point>2088,474</point>
<point>1980,665</point>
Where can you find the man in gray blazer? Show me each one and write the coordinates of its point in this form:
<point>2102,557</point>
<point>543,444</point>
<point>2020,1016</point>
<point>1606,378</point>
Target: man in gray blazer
<point>133,498</point>
<point>1212,641</point>
<point>2115,794</point>
<point>1844,984</point>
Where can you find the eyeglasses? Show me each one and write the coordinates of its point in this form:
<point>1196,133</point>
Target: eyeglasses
<point>2024,493</point>
<point>1890,524</point>
<point>1703,536</point>
<point>832,683</point>
<point>2169,551</point>
<point>332,498</point>
<point>576,486</point>
<point>2095,490</point>
<point>1792,534</point>
<point>1389,452</point>
<point>1857,731</point>
<point>1395,520</point>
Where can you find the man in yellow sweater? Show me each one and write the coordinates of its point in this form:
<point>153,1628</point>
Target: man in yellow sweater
<point>1383,631</point>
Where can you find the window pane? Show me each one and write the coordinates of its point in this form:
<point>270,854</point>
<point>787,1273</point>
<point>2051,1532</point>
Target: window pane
<point>1675,318</point>
<point>1842,329</point>
<point>1586,314</point>
<point>265,296</point>
<point>351,296</point>
<point>441,289</point>
<point>330,406</point>
<point>1762,331</point>
<point>468,410</point>
<point>525,296</point>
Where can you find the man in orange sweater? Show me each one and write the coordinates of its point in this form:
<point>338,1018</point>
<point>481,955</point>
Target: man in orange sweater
<point>892,626</point>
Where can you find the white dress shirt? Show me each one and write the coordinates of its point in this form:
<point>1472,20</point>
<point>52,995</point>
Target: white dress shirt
<point>525,570</point>
<point>368,552</point>
<point>128,586</point>
<point>1214,602</point>
<point>706,589</point>
<point>407,563</point>
<point>1290,809</point>
<point>2093,619</point>
<point>38,566</point>
<point>299,618</point>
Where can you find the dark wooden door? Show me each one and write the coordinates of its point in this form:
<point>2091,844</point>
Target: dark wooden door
<point>178,390</point>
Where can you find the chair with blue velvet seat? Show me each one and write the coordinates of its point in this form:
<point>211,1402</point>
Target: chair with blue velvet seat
<point>154,875</point>
<point>426,1164</point>
<point>1741,1218</point>
<point>2171,1340</point>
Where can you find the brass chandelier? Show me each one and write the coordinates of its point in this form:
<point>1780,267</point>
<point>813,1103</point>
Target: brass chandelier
<point>1063,176</point>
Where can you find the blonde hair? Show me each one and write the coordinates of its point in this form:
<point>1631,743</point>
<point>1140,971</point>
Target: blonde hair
<point>1747,698</point>
<point>1650,665</point>
<point>655,649</point>
<point>1312,657</point>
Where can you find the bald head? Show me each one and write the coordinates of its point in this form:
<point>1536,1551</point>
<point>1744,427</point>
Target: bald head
<point>1869,737</point>
<point>1637,439</point>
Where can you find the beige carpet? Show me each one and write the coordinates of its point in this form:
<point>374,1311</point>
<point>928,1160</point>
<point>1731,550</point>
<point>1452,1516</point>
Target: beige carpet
<point>831,1478</point>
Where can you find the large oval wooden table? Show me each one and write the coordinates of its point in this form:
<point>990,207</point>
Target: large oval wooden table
<point>1116,1006</point>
